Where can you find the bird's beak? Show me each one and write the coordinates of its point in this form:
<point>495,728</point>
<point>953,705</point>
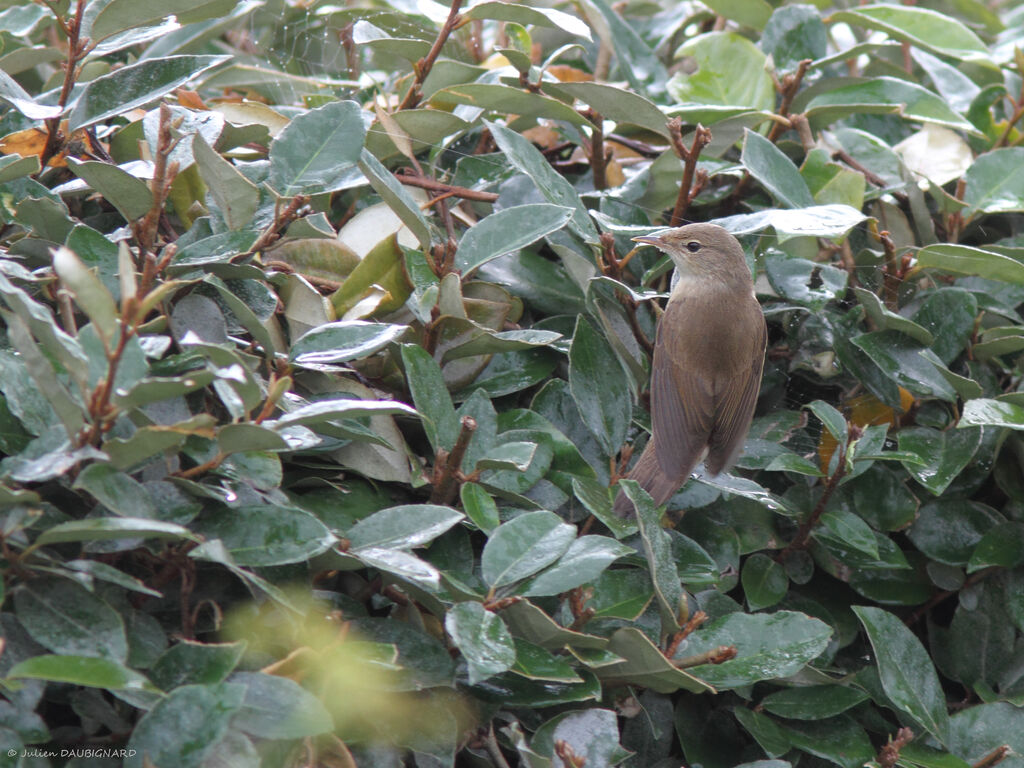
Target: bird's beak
<point>650,240</point>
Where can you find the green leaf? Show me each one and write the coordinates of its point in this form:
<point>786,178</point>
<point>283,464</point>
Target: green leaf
<point>599,386</point>
<point>192,662</point>
<point>523,14</point>
<point>637,62</point>
<point>67,619</point>
<point>483,639</point>
<point>342,341</point>
<point>317,150</point>
<point>730,71</point>
<point>112,528</point>
<point>657,549</point>
<point>813,702</point>
<point>775,171</point>
<point>884,319</point>
<point>203,712</point>
<point>236,196</point>
<point>883,95</point>
<point>122,15</point>
<point>403,527</point>
<point>794,33</point>
<point>1001,546</point>
<point>135,85</point>
<point>831,418</point>
<point>838,740</point>
<point>645,665</point>
<point>523,546</point>
<point>494,97</point>
<point>993,182</point>
<point>764,581</point>
<point>804,281</point>
<point>128,193</point>
<point>89,293</point>
<point>751,13</point>
<point>614,103</point>
<point>977,731</point>
<point>555,188</point>
<point>939,33</point>
<point>983,412</point>
<point>81,670</point>
<point>262,534</point>
<point>965,260</point>
<point>341,408</point>
<point>585,560</point>
<point>907,362</point>
<point>480,507</point>
<point>506,231</point>
<point>768,646</point>
<point>906,671</point>
<point>945,453</point>
<point>831,221</point>
<point>431,397</point>
<point>278,708</point>
<point>15,167</point>
<point>394,194</point>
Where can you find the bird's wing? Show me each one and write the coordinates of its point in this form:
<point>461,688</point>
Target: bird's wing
<point>735,410</point>
<point>680,426</point>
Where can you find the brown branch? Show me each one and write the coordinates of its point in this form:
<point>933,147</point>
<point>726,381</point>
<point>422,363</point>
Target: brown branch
<point>994,757</point>
<point>439,186</point>
<point>282,218</point>
<point>77,49</point>
<point>424,65</point>
<point>889,754</point>
<point>448,465</point>
<point>891,272</point>
<point>694,621</point>
<point>598,160</point>
<point>717,655</point>
<point>693,180</point>
<point>640,147</point>
<point>804,532</point>
<point>160,185</point>
<point>201,469</point>
<point>787,88</point>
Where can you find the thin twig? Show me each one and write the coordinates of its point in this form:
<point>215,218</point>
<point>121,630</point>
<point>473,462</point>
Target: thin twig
<point>424,65</point>
<point>693,180</point>
<point>439,186</point>
<point>446,471</point>
<point>891,272</point>
<point>889,754</point>
<point>77,48</point>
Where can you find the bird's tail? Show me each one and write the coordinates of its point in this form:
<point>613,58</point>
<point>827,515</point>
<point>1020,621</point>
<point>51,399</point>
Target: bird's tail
<point>648,472</point>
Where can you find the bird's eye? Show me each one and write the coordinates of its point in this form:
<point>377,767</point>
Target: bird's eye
<point>693,246</point>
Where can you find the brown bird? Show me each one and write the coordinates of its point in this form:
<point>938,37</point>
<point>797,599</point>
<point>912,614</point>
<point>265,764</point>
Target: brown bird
<point>708,359</point>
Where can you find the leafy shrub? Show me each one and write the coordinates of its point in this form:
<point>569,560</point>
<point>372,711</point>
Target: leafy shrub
<point>324,340</point>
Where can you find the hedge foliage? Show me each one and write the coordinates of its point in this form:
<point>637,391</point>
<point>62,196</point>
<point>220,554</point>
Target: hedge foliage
<point>324,339</point>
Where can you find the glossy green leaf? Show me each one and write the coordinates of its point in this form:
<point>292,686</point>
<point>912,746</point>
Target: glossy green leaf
<point>523,546</point>
<point>236,196</point>
<point>555,188</point>
<point>585,560</point>
<point>599,386</point>
<point>483,639</point>
<point>768,646</point>
<point>106,528</point>
<point>906,671</point>
<point>657,549</point>
<point>830,221</point>
<point>1001,546</point>
<point>966,260</point>
<point>616,104</point>
<point>69,620</point>
<point>128,193</point>
<point>775,171</point>
<point>907,363</point>
<point>342,341</point>
<point>983,412</point>
<point>201,711</point>
<point>944,453</point>
<point>794,33</point>
<point>317,149</point>
<point>267,535</point>
<point>764,581</point>
<point>136,85</point>
<point>80,670</point>
<point>805,282</point>
<point>882,95</point>
<point>278,708</point>
<point>524,14</point>
<point>394,194</point>
<point>404,527</point>
<point>89,292</point>
<point>644,664</point>
<point>838,740</point>
<point>937,32</point>
<point>431,397</point>
<point>813,702</point>
<point>730,71</point>
<point>506,231</point>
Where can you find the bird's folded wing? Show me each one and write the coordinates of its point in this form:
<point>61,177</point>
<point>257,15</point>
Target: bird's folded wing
<point>734,410</point>
<point>682,413</point>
